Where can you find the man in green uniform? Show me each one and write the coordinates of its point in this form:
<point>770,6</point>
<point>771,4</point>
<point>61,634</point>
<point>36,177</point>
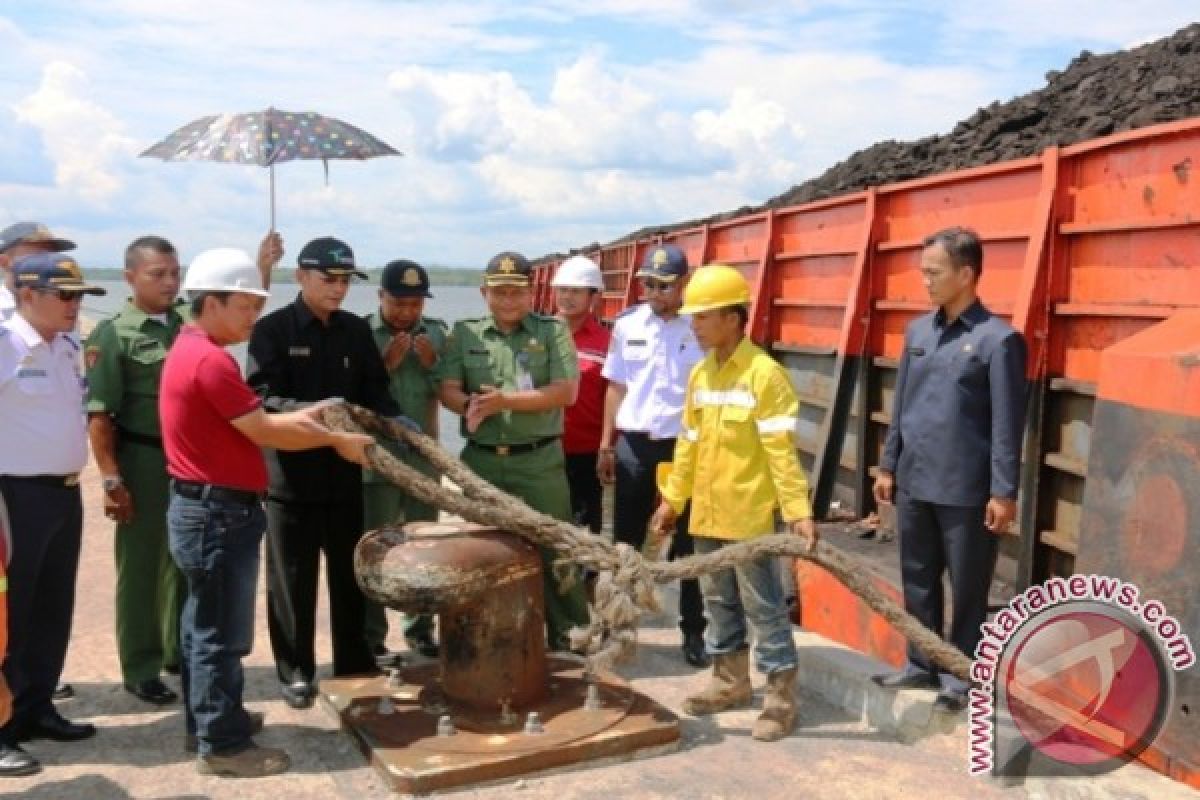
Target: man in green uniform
<point>510,374</point>
<point>124,357</point>
<point>411,344</point>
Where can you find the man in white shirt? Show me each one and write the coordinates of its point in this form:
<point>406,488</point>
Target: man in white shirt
<point>43,428</point>
<point>650,357</point>
<point>17,241</point>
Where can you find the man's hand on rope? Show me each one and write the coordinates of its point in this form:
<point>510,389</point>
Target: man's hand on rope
<point>806,529</point>
<point>662,527</point>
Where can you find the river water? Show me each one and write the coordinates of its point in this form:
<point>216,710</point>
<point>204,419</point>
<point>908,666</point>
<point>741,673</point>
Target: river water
<point>449,303</point>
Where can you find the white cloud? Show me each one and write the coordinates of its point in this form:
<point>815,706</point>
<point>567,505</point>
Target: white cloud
<point>603,140</point>
<point>84,139</point>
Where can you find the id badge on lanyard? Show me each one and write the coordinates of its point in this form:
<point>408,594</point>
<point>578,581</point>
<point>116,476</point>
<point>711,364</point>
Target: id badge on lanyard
<point>524,378</point>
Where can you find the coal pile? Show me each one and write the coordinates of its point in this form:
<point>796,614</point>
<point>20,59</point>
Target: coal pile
<point>1094,96</point>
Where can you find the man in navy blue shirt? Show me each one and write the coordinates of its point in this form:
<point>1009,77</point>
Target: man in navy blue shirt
<point>953,454</point>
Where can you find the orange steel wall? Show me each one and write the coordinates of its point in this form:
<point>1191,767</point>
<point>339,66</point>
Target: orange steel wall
<point>1084,247</point>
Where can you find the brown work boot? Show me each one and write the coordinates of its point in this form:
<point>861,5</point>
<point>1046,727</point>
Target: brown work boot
<point>191,744</point>
<point>253,762</point>
<point>728,687</point>
<point>779,707</point>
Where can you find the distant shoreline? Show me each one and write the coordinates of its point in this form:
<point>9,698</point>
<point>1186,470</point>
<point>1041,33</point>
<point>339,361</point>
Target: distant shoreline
<point>438,276</point>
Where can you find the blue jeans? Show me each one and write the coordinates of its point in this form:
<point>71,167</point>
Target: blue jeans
<point>217,548</point>
<point>748,592</point>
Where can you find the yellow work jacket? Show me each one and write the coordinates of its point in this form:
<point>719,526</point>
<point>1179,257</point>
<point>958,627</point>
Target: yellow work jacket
<point>736,459</point>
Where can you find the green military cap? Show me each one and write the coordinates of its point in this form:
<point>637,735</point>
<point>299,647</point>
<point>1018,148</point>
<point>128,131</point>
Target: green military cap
<point>508,269</point>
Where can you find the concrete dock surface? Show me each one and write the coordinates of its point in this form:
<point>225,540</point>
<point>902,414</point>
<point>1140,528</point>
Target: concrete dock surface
<point>839,750</point>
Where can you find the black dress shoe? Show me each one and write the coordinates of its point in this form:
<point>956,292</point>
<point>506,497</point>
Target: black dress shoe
<point>15,762</point>
<point>172,669</point>
<point>64,691</point>
<point>152,691</point>
<point>298,694</point>
<point>693,650</point>
<point>53,725</point>
<point>906,680</point>
<point>949,701</point>
<point>424,644</point>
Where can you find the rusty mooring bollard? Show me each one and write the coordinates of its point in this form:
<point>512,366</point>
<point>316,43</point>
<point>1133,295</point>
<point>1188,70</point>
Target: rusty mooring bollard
<point>486,587</point>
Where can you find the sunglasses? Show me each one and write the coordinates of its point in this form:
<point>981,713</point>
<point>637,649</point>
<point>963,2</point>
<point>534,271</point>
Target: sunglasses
<point>65,295</point>
<point>656,286</point>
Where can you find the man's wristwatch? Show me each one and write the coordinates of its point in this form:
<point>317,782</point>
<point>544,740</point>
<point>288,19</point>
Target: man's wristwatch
<point>111,482</point>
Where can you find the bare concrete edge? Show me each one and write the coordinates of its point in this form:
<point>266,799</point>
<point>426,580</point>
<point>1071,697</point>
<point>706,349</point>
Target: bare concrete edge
<point>842,677</point>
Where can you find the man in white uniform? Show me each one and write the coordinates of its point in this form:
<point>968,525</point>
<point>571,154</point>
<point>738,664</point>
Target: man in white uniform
<point>43,428</point>
<point>650,357</point>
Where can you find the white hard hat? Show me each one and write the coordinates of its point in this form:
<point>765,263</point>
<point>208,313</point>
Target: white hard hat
<point>579,272</point>
<point>224,269</point>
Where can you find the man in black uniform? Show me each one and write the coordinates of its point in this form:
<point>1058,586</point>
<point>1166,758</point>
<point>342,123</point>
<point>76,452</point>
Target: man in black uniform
<point>953,454</point>
<point>308,351</point>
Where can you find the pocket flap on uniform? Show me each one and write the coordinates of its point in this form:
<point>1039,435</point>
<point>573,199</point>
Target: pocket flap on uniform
<point>149,352</point>
<point>477,360</point>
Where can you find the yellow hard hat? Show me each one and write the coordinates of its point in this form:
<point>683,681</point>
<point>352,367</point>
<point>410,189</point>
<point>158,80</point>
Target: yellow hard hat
<point>715,286</point>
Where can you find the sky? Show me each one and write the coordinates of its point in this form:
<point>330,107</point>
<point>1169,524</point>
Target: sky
<point>538,125</point>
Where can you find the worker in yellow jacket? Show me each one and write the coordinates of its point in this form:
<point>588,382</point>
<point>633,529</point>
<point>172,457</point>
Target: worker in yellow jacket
<point>736,462</point>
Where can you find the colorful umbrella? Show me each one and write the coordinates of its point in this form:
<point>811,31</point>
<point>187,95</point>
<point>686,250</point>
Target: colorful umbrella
<point>268,137</point>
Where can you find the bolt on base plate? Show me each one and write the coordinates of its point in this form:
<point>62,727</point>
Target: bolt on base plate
<point>406,750</point>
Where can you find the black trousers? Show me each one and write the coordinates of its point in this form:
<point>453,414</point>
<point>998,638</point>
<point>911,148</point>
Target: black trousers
<point>935,538</point>
<point>634,502</point>
<point>297,534</point>
<point>47,527</point>
<point>587,494</point>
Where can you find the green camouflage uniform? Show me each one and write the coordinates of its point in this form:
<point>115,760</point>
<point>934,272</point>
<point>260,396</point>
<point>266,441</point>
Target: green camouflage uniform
<point>124,357</point>
<point>414,388</point>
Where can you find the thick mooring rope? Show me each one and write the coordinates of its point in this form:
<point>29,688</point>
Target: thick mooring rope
<point>625,582</point>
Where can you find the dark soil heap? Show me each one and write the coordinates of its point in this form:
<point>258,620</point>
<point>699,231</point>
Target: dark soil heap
<point>1094,96</point>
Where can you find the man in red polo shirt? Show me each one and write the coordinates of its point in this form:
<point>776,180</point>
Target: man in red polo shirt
<point>577,286</point>
<point>213,425</point>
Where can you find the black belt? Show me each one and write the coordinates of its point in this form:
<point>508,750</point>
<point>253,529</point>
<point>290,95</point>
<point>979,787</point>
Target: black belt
<point>140,438</point>
<point>648,436</point>
<point>57,481</point>
<point>515,449</point>
<point>207,491</point>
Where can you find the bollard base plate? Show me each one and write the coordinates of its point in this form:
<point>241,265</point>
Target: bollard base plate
<point>399,735</point>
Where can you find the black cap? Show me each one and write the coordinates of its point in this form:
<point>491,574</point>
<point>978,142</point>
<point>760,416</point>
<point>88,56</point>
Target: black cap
<point>404,278</point>
<point>32,233</point>
<point>664,262</point>
<point>507,269</point>
<point>331,256</point>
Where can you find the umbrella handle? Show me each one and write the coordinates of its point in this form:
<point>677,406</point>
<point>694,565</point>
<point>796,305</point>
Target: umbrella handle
<point>272,169</point>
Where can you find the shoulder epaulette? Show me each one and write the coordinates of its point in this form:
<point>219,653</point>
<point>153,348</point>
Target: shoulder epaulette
<point>628,310</point>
